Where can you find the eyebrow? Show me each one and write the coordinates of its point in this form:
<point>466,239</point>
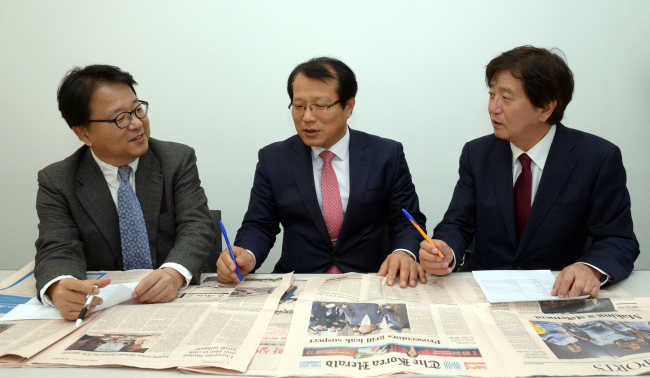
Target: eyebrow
<point>118,111</point>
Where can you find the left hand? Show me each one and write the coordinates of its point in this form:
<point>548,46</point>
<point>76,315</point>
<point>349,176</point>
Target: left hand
<point>160,286</point>
<point>576,280</point>
<point>409,269</point>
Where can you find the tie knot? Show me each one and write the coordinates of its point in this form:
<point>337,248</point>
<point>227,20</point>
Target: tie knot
<point>327,156</point>
<point>124,173</point>
<point>525,161</point>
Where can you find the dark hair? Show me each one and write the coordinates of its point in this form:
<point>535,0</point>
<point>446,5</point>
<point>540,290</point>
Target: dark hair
<point>544,75</point>
<point>321,69</point>
<point>78,86</point>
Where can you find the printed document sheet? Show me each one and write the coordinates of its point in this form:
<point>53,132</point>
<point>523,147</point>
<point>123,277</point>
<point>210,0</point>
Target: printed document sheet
<point>517,285</point>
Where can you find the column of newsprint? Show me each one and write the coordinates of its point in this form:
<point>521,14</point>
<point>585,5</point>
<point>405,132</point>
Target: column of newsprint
<point>355,325</point>
<point>210,325</point>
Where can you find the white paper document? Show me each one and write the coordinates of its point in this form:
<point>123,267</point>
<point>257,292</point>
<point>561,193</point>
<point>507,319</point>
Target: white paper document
<point>34,309</point>
<point>517,285</point>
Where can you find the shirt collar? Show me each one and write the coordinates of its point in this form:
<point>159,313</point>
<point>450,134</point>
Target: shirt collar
<point>340,148</point>
<point>539,152</point>
<point>110,171</point>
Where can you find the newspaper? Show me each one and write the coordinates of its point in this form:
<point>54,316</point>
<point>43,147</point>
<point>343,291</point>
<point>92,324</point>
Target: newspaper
<point>268,353</point>
<point>601,336</point>
<point>209,325</point>
<point>355,325</point>
<point>23,339</point>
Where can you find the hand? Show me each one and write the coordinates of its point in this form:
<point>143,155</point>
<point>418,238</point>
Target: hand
<point>576,280</point>
<point>409,269</point>
<point>226,270</point>
<point>160,286</point>
<point>431,262</point>
<point>69,295</point>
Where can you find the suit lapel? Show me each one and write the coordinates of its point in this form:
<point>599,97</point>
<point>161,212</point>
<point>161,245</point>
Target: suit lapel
<point>360,161</point>
<point>501,167</point>
<point>149,190</point>
<point>96,199</point>
<point>560,163</point>
<point>303,174</point>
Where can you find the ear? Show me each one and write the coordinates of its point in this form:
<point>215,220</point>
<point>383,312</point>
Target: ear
<point>82,133</point>
<point>547,111</point>
<point>349,106</point>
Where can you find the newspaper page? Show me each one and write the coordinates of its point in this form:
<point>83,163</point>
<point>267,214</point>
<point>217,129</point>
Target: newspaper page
<point>268,353</point>
<point>598,336</point>
<point>210,325</point>
<point>355,325</point>
<point>22,339</point>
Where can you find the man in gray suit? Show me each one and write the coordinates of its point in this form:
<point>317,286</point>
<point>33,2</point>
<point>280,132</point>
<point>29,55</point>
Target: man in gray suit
<point>122,201</point>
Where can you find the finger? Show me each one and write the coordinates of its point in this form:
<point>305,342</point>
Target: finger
<point>578,285</point>
<point>427,246</point>
<point>153,291</point>
<point>223,272</point>
<point>565,285</point>
<point>75,298</point>
<point>146,284</point>
<point>426,255</point>
<point>100,283</point>
<point>404,272</point>
<point>393,267</point>
<point>96,302</point>
<point>556,284</point>
<point>81,287</point>
<point>163,296</point>
<point>383,270</point>
<point>595,290</point>
<point>422,274</point>
<point>413,273</point>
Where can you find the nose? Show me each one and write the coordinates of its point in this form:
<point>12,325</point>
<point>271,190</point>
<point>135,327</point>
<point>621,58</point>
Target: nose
<point>309,115</point>
<point>136,123</point>
<point>494,107</point>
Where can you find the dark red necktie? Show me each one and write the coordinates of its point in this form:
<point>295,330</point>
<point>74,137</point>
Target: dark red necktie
<point>523,192</point>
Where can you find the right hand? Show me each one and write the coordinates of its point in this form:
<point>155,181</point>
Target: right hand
<point>69,295</point>
<point>226,270</point>
<point>431,262</point>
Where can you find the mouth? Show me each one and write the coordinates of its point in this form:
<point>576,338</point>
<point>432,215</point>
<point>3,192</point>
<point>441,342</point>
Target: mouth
<point>311,132</point>
<point>138,138</point>
<point>496,124</point>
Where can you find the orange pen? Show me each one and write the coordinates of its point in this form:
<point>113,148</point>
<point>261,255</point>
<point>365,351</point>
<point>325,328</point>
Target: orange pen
<point>423,233</point>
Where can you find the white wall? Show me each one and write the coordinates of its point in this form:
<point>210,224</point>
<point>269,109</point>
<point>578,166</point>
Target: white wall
<point>215,75</point>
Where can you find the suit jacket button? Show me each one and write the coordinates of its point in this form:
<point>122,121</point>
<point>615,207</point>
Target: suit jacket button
<point>335,259</point>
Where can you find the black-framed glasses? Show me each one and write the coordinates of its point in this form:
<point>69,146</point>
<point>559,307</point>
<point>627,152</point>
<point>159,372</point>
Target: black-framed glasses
<point>123,120</point>
<point>315,108</point>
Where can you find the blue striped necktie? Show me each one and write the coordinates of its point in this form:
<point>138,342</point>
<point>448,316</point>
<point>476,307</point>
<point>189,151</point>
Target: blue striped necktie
<point>133,231</point>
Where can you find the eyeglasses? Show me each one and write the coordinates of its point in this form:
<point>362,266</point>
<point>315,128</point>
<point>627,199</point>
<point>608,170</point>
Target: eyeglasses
<point>123,120</point>
<point>315,108</point>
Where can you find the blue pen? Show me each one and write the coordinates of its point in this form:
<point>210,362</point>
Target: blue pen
<point>232,255</point>
<point>422,232</point>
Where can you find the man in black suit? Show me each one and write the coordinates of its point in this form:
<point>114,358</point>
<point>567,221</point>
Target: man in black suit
<point>532,193</point>
<point>122,201</point>
<point>337,192</point>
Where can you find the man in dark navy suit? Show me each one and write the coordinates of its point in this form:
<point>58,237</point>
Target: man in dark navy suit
<point>338,193</point>
<point>532,193</point>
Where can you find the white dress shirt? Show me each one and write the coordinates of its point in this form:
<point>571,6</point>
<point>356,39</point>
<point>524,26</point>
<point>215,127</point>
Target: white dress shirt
<point>341,165</point>
<point>110,173</point>
<point>538,155</point>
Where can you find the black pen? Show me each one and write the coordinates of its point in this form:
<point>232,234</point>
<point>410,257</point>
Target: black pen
<point>84,310</point>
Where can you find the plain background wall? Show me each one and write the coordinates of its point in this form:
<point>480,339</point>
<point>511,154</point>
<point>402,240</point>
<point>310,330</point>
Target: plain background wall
<point>215,75</point>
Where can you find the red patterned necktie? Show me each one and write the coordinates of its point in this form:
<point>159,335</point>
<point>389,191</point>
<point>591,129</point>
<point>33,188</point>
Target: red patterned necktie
<point>332,207</point>
<point>523,192</point>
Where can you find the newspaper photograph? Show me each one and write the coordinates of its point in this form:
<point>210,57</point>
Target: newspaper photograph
<point>191,331</point>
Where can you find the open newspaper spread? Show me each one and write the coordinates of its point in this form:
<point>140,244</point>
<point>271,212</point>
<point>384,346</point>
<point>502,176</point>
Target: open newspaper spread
<point>23,339</point>
<point>209,325</point>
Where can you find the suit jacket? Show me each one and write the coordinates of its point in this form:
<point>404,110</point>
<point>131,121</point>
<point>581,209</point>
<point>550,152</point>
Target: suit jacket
<point>79,226</point>
<point>582,193</point>
<point>374,225</point>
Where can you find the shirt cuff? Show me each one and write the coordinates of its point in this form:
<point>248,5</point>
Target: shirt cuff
<point>604,279</point>
<point>407,251</point>
<point>254,259</point>
<point>45,299</point>
<point>180,269</point>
